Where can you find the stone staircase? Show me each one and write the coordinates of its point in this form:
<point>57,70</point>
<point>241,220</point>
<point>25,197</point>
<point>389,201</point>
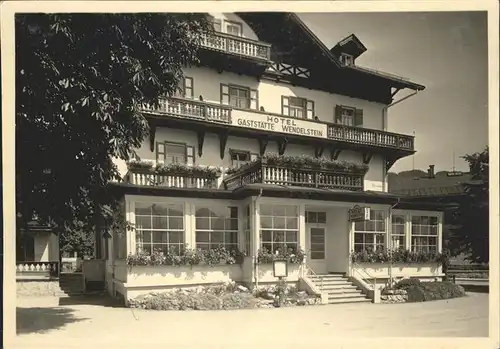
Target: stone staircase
<point>71,284</point>
<point>339,288</point>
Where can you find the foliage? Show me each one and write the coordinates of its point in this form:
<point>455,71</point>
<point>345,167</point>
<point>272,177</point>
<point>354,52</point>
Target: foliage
<point>405,283</point>
<point>264,256</point>
<point>188,257</point>
<point>469,232</point>
<point>303,162</point>
<point>206,299</point>
<point>79,81</point>
<point>210,172</point>
<point>396,256</point>
<point>80,241</point>
<point>429,291</point>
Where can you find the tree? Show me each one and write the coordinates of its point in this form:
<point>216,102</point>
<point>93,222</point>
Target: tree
<point>79,81</point>
<point>469,228</point>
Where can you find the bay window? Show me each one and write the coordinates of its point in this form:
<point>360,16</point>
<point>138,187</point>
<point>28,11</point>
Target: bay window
<point>424,233</point>
<point>279,227</point>
<point>216,226</point>
<point>369,235</point>
<point>398,235</point>
<point>159,227</point>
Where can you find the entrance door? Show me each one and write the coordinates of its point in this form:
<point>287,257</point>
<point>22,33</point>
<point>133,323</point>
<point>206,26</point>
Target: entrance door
<point>316,247</point>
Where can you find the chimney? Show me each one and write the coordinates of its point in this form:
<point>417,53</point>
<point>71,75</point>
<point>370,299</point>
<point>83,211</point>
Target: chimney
<point>430,171</point>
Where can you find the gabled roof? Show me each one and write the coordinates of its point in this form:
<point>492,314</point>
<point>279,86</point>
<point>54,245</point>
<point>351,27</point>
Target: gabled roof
<point>350,45</point>
<point>258,25</point>
<point>417,184</point>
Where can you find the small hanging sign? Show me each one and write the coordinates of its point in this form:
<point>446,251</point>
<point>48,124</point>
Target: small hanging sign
<point>359,214</point>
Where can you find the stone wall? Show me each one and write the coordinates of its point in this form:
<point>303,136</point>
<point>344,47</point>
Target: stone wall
<point>38,288</point>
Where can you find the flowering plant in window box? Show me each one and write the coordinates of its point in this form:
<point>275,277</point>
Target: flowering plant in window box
<point>139,165</point>
<point>264,256</point>
<point>303,162</point>
<point>211,172</point>
<point>397,256</point>
<point>187,257</point>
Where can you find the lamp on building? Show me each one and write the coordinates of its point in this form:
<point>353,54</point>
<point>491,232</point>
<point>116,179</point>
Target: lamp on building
<point>262,108</point>
<point>201,98</point>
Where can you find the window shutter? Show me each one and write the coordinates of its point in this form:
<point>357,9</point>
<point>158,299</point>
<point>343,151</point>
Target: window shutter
<point>338,114</point>
<point>224,94</point>
<point>160,153</point>
<point>310,110</point>
<point>217,25</point>
<point>254,99</point>
<point>358,118</point>
<point>190,155</point>
<point>188,87</point>
<point>285,101</point>
<point>253,156</point>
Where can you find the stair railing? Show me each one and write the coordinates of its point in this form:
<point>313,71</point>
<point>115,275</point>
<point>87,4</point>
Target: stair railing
<point>310,270</point>
<point>358,267</point>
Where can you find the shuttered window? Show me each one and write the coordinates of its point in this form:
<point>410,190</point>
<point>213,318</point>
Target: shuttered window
<point>348,116</point>
<point>239,97</point>
<point>297,107</point>
<point>174,153</point>
<point>185,88</point>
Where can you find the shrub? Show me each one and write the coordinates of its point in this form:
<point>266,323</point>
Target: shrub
<point>238,301</point>
<point>405,283</point>
<point>429,291</point>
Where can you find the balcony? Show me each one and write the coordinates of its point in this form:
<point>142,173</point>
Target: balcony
<point>236,45</point>
<point>248,123</point>
<point>374,138</point>
<point>37,270</point>
<point>283,171</point>
<point>176,176</point>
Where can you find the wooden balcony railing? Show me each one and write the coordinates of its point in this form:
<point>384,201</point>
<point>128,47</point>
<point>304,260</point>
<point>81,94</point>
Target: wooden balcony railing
<point>40,269</point>
<point>236,45</point>
<point>192,109</point>
<point>365,136</point>
<point>147,178</point>
<point>221,114</point>
<point>261,172</point>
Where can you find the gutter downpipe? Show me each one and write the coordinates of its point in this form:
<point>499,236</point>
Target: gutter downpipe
<point>256,264</point>
<point>384,123</point>
<point>390,260</point>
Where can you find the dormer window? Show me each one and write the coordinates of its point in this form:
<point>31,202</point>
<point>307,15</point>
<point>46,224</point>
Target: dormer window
<point>233,28</point>
<point>228,27</point>
<point>346,59</point>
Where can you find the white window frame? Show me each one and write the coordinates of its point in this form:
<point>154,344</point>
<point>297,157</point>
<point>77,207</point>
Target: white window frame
<point>398,235</point>
<point>427,236</point>
<point>346,59</point>
<point>238,25</point>
<point>348,116</point>
<point>238,153</point>
<point>139,231</point>
<point>379,236</point>
<point>231,244</point>
<point>274,231</point>
<point>162,154</point>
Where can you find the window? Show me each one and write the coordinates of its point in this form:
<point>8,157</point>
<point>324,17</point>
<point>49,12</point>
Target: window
<point>346,59</point>
<point>233,28</point>
<point>370,235</point>
<point>159,227</point>
<point>239,97</point>
<point>398,236</point>
<point>279,227</point>
<point>297,107</point>
<point>317,236</point>
<point>217,226</point>
<point>174,153</point>
<point>185,88</point>
<point>316,217</point>
<point>348,116</point>
<point>239,157</point>
<point>248,236</point>
<point>424,233</point>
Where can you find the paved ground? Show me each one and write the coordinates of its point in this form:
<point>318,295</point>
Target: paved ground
<point>47,321</point>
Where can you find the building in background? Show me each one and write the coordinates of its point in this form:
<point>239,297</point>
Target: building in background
<point>273,140</point>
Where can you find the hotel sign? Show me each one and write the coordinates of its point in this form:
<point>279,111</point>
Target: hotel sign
<point>263,122</point>
<point>359,214</point>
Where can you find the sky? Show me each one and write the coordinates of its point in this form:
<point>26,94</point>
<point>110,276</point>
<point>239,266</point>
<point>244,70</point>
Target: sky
<point>447,52</point>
